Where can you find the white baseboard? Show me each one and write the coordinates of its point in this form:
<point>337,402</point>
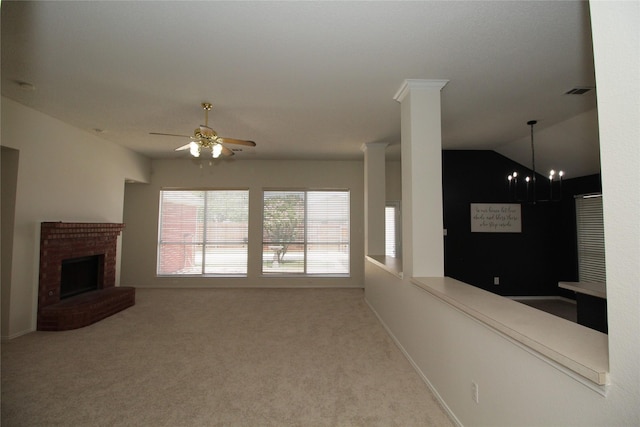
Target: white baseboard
<point>6,338</point>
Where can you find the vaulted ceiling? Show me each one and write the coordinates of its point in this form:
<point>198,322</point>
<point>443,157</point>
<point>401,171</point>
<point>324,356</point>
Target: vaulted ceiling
<point>308,80</point>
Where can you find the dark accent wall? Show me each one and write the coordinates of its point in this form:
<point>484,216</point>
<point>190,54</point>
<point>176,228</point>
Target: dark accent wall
<point>528,263</point>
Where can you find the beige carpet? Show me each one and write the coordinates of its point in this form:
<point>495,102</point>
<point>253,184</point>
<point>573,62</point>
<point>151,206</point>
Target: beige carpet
<point>219,357</point>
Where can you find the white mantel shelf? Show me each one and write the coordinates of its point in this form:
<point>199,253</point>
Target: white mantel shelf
<point>575,347</point>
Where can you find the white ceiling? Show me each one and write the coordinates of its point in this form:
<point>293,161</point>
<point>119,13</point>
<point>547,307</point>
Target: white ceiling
<point>306,80</point>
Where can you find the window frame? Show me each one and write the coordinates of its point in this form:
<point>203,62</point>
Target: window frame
<point>305,242</point>
<point>204,243</point>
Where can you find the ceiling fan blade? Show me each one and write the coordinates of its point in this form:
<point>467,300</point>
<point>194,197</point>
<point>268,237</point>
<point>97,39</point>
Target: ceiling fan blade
<point>227,152</point>
<point>184,147</point>
<point>237,141</point>
<point>168,134</point>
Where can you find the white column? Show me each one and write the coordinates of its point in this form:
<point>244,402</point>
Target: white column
<point>374,197</point>
<point>421,153</point>
<point>616,44</point>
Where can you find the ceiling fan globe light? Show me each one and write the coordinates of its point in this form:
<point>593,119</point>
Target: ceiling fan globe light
<point>216,151</point>
<point>194,149</point>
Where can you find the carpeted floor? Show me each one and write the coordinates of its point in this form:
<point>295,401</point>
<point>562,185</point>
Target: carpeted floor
<point>219,357</point>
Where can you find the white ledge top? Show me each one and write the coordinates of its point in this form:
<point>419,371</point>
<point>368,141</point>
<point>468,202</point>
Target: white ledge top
<point>575,347</point>
<point>588,288</point>
<point>392,265</point>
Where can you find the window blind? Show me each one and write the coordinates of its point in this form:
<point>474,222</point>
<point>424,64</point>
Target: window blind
<point>590,231</point>
<point>203,232</point>
<point>306,232</point>
<point>392,230</point>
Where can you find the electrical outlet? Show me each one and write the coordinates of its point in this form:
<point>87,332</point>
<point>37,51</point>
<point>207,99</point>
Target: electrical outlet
<point>496,280</point>
<point>475,394</point>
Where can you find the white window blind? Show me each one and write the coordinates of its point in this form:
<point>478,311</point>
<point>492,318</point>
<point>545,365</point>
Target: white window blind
<point>203,232</point>
<point>306,232</point>
<point>590,231</point>
<point>392,230</point>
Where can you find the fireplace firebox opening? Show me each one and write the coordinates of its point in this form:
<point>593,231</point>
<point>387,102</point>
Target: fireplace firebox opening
<point>80,275</point>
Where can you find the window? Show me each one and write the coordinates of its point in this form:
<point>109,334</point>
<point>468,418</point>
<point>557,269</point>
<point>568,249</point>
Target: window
<point>306,232</point>
<point>203,232</point>
<point>392,230</point>
<point>590,230</point>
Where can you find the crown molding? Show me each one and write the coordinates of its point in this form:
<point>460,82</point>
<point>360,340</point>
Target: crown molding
<point>410,84</point>
<point>373,145</point>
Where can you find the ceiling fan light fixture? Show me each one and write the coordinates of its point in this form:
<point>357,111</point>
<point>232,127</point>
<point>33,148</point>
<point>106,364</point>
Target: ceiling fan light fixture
<point>216,150</point>
<point>205,137</point>
<point>194,149</point>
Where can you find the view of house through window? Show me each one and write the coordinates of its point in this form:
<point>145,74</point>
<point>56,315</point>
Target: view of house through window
<point>306,232</point>
<point>203,232</point>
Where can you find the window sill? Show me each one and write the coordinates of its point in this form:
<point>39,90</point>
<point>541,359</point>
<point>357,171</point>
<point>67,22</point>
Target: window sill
<point>305,275</point>
<point>580,350</point>
<point>203,276</point>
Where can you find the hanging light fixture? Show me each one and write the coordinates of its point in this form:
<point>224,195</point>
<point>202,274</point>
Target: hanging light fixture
<point>530,192</point>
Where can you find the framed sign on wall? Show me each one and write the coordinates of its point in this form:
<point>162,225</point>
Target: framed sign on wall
<point>496,218</point>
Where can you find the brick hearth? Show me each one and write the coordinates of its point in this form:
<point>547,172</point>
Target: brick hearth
<point>61,241</point>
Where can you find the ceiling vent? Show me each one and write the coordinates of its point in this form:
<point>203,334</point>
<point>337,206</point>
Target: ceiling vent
<point>578,91</point>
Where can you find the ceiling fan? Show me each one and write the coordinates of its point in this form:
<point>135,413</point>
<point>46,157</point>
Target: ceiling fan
<point>205,137</point>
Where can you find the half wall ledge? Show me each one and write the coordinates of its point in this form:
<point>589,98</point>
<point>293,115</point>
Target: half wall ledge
<point>579,349</point>
<point>392,265</point>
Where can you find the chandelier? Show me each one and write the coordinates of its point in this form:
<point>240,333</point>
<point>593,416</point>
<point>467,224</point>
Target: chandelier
<point>528,192</point>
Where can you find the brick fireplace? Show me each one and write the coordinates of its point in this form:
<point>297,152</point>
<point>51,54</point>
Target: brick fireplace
<point>63,243</point>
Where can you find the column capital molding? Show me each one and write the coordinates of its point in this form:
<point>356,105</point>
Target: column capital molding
<point>368,145</point>
<point>411,84</point>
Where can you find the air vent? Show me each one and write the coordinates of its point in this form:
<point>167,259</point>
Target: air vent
<point>578,91</point>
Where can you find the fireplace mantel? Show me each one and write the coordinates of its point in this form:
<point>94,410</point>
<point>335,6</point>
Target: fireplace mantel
<point>75,230</point>
<point>60,241</point>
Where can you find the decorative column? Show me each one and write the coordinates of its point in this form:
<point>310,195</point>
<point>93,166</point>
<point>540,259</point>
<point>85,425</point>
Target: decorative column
<point>421,153</point>
<point>374,197</point>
